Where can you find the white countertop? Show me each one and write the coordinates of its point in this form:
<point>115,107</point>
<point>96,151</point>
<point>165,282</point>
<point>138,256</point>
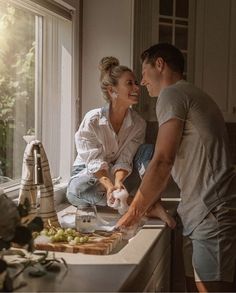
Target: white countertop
<point>131,253</point>
<point>127,270</point>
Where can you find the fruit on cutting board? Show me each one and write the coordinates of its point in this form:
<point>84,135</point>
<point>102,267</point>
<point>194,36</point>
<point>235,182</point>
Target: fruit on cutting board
<point>68,235</point>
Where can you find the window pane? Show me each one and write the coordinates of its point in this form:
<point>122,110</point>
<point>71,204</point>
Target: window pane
<point>182,8</point>
<point>17,86</point>
<point>166,7</point>
<point>165,34</point>
<point>181,37</point>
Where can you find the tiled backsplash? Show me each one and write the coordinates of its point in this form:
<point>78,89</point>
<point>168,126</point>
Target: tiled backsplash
<point>152,128</point>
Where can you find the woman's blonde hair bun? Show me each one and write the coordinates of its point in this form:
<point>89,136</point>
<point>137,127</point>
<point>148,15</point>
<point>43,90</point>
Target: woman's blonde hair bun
<point>107,63</point>
<point>110,73</point>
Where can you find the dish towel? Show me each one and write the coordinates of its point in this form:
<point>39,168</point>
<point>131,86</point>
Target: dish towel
<point>120,203</point>
<point>27,201</point>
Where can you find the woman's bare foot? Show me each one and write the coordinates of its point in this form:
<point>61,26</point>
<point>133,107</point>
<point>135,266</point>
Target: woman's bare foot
<point>158,211</point>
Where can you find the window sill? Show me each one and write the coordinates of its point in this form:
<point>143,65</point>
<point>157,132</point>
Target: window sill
<point>59,192</point>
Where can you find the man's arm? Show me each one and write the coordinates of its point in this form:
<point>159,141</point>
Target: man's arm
<point>158,172</point>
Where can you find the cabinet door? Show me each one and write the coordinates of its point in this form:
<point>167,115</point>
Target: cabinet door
<point>161,275</point>
<point>163,284</point>
<point>216,53</point>
<point>232,61</point>
<point>160,279</point>
<point>150,285</point>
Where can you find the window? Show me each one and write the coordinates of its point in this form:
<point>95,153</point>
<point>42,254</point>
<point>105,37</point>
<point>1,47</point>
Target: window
<point>173,25</point>
<point>155,21</point>
<point>17,86</point>
<point>36,86</point>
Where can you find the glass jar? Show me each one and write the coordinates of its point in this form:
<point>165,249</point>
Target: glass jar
<point>86,218</point>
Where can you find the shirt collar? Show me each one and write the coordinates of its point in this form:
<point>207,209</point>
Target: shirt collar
<point>128,119</point>
<point>104,117</point>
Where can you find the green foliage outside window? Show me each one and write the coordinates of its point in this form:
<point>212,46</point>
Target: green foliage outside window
<point>17,80</point>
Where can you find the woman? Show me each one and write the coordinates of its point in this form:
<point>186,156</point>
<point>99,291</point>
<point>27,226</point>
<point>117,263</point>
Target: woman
<point>108,139</point>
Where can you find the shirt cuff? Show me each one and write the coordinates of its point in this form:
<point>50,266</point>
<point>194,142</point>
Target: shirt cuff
<point>95,166</point>
<point>123,166</point>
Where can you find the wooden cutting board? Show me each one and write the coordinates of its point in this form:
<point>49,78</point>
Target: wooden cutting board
<point>99,244</point>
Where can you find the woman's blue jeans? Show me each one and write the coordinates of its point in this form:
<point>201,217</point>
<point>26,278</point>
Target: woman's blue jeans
<point>86,188</point>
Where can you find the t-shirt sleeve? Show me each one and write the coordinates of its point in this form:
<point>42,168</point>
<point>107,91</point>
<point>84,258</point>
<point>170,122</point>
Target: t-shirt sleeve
<point>171,104</point>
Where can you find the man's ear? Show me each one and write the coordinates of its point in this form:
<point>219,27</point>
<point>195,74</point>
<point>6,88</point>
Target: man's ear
<point>160,64</point>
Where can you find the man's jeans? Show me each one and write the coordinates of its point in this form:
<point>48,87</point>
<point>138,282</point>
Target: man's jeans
<point>86,188</point>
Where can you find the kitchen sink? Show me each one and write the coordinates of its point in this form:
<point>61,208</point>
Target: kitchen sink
<point>119,246</point>
<point>109,217</point>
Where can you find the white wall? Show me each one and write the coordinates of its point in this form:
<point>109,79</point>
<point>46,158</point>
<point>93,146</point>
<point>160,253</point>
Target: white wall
<point>107,31</point>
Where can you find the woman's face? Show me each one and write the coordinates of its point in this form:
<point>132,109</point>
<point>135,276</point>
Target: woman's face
<point>127,90</point>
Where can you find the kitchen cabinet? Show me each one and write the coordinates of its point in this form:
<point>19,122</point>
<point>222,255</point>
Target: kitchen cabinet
<point>160,279</point>
<point>169,275</point>
<point>215,53</point>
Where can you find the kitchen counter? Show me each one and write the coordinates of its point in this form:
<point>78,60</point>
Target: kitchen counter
<point>128,270</point>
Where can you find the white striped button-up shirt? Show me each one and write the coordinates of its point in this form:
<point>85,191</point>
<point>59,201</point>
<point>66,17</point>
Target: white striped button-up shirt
<point>99,147</point>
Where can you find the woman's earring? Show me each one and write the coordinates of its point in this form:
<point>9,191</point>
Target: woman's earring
<point>114,95</point>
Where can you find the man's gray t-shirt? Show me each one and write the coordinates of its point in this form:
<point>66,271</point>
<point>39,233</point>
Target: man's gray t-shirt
<point>202,168</point>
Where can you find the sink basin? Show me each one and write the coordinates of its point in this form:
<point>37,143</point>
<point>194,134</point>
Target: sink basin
<point>119,247</point>
<point>111,216</point>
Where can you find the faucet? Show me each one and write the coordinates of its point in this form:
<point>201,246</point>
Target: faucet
<point>38,175</point>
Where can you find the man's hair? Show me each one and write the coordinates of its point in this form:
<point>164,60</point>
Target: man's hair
<point>169,53</point>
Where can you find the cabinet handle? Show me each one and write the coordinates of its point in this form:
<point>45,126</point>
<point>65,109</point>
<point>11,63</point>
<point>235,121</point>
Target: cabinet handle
<point>234,109</point>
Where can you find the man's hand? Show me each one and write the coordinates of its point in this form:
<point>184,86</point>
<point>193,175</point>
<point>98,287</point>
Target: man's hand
<point>129,219</point>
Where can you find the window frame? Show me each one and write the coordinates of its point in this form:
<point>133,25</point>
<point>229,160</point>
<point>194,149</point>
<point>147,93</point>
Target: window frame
<point>60,154</point>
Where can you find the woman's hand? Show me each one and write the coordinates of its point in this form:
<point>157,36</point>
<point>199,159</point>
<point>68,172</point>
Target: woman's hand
<point>120,176</point>
<point>119,185</point>
<point>110,197</point>
<point>105,180</point>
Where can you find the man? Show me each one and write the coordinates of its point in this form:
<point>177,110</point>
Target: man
<point>192,147</point>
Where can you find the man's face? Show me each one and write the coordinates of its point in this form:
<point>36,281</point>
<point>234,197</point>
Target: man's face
<point>151,79</point>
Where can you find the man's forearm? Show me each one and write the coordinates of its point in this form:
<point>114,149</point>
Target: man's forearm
<point>158,172</point>
<point>152,185</point>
